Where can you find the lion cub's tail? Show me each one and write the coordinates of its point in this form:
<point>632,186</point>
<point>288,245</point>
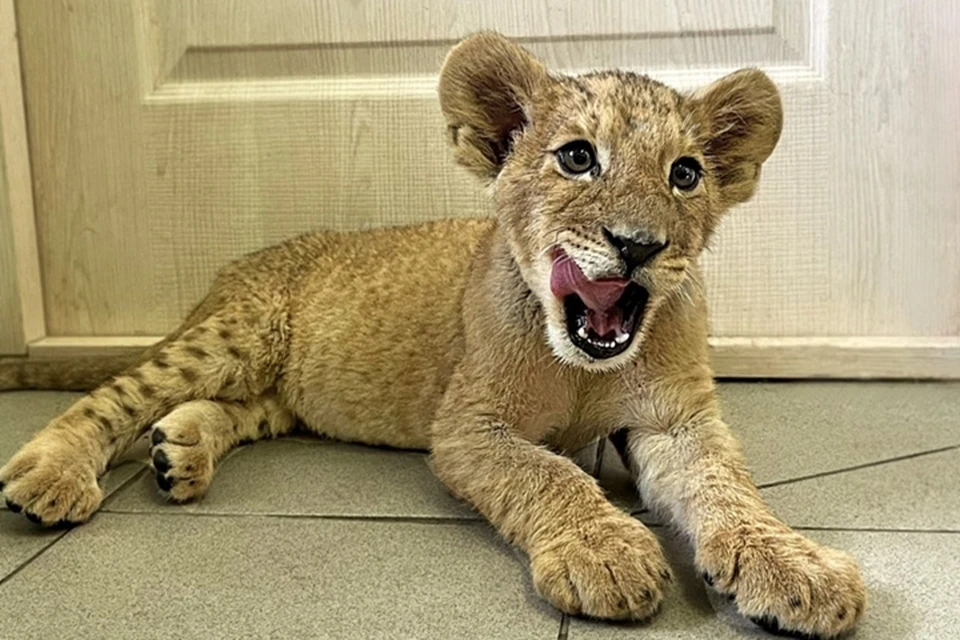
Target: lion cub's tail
<point>74,374</point>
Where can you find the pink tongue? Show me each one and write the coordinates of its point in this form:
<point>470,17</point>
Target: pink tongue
<point>599,296</point>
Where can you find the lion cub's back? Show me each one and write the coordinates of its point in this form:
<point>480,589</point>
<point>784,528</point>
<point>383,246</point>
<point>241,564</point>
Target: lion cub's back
<point>376,329</point>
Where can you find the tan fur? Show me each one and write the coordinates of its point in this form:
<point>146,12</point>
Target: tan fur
<point>446,337</point>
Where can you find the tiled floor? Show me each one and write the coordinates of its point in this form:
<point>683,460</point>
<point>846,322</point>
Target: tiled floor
<point>307,538</point>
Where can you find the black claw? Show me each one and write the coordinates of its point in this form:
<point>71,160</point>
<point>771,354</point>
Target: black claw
<point>708,579</point>
<point>66,524</point>
<point>157,437</point>
<point>13,506</point>
<point>32,517</point>
<point>160,461</point>
<point>164,482</point>
<point>772,625</point>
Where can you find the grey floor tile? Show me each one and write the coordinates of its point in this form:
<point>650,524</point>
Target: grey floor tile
<point>794,429</point>
<point>797,429</point>
<point>151,576</point>
<point>912,580</point>
<point>304,476</point>
<point>26,412</point>
<point>916,493</point>
<point>20,540</point>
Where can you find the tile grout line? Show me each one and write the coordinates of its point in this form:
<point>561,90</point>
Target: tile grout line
<point>564,632</point>
<point>432,520</point>
<point>656,525</point>
<point>30,560</point>
<point>866,465</point>
<point>301,516</point>
<point>873,529</point>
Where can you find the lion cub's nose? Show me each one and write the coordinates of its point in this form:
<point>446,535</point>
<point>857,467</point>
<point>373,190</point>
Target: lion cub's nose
<point>634,253</point>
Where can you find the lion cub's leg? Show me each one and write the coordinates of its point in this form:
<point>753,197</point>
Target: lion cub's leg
<point>690,467</point>
<point>586,556</point>
<point>54,477</point>
<point>187,442</point>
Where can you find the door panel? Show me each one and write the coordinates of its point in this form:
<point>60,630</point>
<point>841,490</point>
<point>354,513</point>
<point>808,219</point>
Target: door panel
<point>170,137</point>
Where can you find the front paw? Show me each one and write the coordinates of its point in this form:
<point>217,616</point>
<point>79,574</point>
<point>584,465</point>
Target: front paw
<point>784,582</point>
<point>50,484</point>
<point>610,567</point>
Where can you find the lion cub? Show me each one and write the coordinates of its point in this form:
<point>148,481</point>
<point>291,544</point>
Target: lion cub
<point>494,343</point>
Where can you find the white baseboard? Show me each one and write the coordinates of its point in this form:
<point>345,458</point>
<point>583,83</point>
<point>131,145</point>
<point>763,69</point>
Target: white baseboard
<point>858,358</point>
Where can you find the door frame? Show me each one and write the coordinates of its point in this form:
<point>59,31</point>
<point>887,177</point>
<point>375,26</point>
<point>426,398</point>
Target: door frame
<point>21,314</point>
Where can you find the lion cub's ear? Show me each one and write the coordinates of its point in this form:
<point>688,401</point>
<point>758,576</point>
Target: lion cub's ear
<point>486,87</point>
<point>741,118</point>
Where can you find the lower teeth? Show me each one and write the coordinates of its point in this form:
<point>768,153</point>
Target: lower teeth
<point>618,339</point>
<point>605,344</point>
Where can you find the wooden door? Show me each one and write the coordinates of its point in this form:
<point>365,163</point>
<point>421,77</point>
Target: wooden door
<point>167,137</point>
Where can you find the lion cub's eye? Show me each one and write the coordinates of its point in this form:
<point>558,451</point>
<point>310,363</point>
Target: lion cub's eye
<point>577,157</point>
<point>685,174</point>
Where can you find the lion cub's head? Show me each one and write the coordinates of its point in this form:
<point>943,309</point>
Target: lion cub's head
<point>607,185</point>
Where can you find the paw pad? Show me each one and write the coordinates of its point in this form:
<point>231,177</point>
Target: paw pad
<point>164,482</point>
<point>160,461</point>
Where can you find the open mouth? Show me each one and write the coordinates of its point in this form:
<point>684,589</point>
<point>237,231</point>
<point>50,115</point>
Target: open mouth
<point>602,316</point>
<point>605,333</point>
